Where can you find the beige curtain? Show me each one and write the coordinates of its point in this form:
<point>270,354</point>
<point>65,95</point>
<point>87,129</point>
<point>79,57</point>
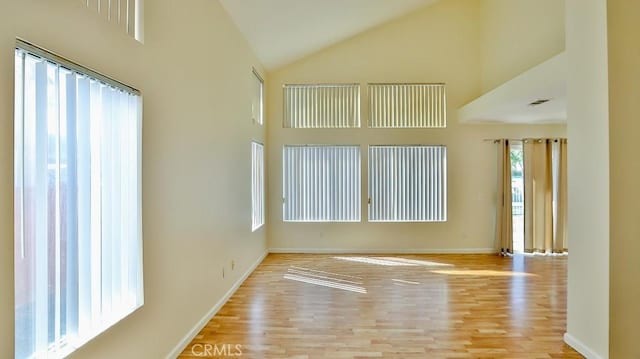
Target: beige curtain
<point>504,224</point>
<point>560,195</point>
<point>545,196</point>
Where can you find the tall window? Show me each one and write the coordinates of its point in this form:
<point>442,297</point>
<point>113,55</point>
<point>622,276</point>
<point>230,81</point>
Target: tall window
<point>257,185</point>
<point>407,183</point>
<point>257,98</point>
<point>321,184</point>
<point>78,240</point>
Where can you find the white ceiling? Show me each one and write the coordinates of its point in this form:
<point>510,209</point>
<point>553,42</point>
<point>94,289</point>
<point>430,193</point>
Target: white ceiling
<point>510,102</point>
<point>283,31</point>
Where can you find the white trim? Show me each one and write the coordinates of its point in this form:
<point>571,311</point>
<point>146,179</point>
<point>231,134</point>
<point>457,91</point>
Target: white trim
<point>179,348</point>
<point>384,251</point>
<point>580,347</point>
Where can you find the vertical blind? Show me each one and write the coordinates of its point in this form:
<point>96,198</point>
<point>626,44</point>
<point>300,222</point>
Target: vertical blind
<point>407,106</point>
<point>78,240</point>
<point>322,106</point>
<point>321,184</point>
<point>407,183</point>
<point>257,185</point>
<point>257,98</point>
<point>121,13</point>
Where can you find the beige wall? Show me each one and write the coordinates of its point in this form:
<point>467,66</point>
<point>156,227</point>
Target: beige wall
<point>438,44</point>
<point>6,186</point>
<point>624,131</point>
<point>518,35</point>
<point>194,71</point>
<point>588,126</point>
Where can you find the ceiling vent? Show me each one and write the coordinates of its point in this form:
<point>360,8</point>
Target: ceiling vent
<point>539,102</point>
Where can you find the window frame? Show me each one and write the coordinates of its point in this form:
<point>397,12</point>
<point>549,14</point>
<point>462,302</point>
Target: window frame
<point>444,185</point>
<point>257,189</point>
<point>124,15</point>
<point>429,98</point>
<point>256,76</point>
<point>84,328</point>
<point>329,109</point>
<point>357,171</point>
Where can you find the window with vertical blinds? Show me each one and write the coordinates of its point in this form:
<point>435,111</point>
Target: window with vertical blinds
<point>407,183</point>
<point>78,233</point>
<point>123,14</point>
<point>321,184</point>
<point>257,98</point>
<point>407,106</point>
<point>257,185</point>
<point>322,106</point>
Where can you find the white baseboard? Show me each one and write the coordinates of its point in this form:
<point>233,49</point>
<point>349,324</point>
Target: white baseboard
<point>383,251</point>
<point>580,347</point>
<point>212,312</point>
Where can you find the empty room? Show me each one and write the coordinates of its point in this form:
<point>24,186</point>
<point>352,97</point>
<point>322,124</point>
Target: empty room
<point>319,179</point>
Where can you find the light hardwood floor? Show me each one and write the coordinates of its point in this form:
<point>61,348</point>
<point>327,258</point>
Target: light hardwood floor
<point>394,306</point>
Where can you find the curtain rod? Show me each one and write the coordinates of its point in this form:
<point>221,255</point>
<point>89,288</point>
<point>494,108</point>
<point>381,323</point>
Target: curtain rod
<point>556,139</point>
<point>73,66</point>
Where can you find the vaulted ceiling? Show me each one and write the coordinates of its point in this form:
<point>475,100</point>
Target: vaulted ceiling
<point>283,31</point>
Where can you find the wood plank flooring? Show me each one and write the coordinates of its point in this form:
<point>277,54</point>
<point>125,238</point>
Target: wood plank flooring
<point>394,306</point>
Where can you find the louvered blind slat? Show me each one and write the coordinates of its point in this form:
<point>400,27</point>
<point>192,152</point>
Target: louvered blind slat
<point>321,184</point>
<point>322,106</point>
<point>407,183</point>
<point>407,106</point>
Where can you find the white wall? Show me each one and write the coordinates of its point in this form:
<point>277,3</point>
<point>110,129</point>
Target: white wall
<point>195,73</point>
<point>438,44</point>
<point>518,35</point>
<point>588,133</point>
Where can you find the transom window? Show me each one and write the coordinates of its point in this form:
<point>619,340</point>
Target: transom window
<point>123,14</point>
<point>322,106</point>
<point>407,106</point>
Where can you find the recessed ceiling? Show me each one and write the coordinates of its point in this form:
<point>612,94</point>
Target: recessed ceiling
<point>283,31</point>
<point>533,97</point>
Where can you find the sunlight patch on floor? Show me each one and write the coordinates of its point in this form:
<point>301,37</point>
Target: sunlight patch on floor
<point>402,281</point>
<point>314,275</point>
<point>326,283</point>
<point>327,273</point>
<point>392,261</point>
<point>484,273</point>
